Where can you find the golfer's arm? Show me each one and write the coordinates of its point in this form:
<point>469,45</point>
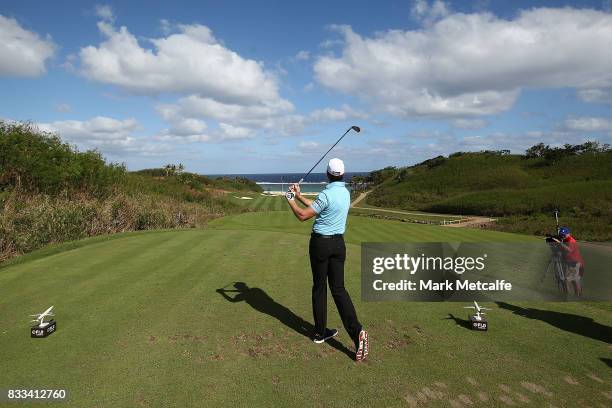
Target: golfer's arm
<point>307,202</point>
<point>228,298</point>
<point>301,214</point>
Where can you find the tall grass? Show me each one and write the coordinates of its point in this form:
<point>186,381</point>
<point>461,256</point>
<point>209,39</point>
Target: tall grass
<point>29,222</point>
<point>50,192</point>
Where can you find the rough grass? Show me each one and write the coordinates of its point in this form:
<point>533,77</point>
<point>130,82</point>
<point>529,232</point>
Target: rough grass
<point>29,222</point>
<point>50,192</point>
<point>509,186</point>
<point>140,323</point>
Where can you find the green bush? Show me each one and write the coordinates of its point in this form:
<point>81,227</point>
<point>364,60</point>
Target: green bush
<point>39,162</point>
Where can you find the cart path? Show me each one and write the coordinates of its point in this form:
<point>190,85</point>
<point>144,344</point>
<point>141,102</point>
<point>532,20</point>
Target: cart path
<point>472,222</point>
<point>359,199</point>
<point>468,221</point>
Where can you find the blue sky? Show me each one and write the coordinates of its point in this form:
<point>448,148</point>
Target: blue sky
<point>257,87</point>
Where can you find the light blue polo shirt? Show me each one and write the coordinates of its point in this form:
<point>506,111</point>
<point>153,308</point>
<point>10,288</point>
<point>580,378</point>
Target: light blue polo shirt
<point>332,206</point>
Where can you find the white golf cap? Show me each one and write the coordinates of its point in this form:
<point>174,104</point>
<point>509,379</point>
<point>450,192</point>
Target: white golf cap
<point>335,167</point>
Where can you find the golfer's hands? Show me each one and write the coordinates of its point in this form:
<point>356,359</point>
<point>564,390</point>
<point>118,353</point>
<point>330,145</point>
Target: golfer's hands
<point>295,189</point>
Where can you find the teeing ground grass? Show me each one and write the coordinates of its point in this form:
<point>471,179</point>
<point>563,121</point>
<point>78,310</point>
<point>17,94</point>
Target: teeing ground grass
<point>141,324</point>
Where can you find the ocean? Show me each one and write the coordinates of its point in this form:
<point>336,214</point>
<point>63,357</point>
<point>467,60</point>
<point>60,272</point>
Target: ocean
<point>279,182</point>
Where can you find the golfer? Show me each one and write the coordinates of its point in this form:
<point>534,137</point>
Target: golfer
<point>327,255</point>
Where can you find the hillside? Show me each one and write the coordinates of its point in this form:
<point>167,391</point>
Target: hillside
<point>523,190</point>
<point>50,192</point>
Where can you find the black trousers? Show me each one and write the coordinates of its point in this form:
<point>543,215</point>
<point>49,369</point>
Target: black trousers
<point>327,256</point>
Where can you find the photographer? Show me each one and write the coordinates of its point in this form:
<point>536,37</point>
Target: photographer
<point>572,258</point>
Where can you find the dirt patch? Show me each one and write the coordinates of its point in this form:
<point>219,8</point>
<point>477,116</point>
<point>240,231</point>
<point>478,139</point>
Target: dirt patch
<point>595,378</point>
<point>184,338</point>
<point>482,396</point>
<point>473,222</point>
<point>432,394</point>
<point>471,381</point>
<point>465,399</point>
<point>506,400</point>
<point>217,357</point>
<point>398,342</point>
<point>522,398</point>
<point>421,397</point>
<point>571,381</point>
<point>275,380</point>
<point>455,404</point>
<point>536,389</point>
<point>141,401</point>
<point>411,401</point>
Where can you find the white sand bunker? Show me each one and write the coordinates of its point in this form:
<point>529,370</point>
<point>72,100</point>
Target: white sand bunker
<point>244,198</point>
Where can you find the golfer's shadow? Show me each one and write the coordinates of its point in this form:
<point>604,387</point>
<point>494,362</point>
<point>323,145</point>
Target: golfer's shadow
<point>572,323</point>
<point>459,321</point>
<point>259,300</point>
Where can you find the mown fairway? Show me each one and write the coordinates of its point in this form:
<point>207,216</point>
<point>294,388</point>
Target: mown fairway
<point>264,202</point>
<point>140,323</point>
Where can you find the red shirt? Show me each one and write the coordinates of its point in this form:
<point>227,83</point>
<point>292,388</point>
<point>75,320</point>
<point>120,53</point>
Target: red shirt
<point>572,253</point>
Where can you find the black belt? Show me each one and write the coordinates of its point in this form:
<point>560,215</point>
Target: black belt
<point>317,235</point>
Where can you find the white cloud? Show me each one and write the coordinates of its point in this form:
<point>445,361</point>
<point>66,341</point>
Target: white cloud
<point>192,130</point>
<point>588,124</point>
<point>469,123</point>
<point>97,128</point>
<point>105,12</point>
<point>428,13</point>
<point>230,132</point>
<point>267,115</point>
<point>309,147</point>
<point>474,64</point>
<point>332,114</point>
<point>22,52</point>
<point>188,127</point>
<point>165,26</point>
<point>110,136</point>
<point>302,56</point>
<point>63,107</point>
<point>190,61</point>
<point>275,118</point>
<point>601,95</point>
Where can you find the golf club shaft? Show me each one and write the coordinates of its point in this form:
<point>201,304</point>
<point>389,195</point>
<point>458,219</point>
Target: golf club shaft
<point>322,157</point>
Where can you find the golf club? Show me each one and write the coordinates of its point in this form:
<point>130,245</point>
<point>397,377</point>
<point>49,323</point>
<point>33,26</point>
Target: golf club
<point>357,129</point>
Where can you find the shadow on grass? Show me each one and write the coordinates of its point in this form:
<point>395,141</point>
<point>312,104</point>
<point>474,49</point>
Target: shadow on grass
<point>584,326</point>
<point>459,321</point>
<point>606,361</point>
<point>259,300</point>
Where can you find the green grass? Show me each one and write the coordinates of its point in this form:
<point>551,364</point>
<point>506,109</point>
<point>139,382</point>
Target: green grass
<point>140,324</point>
<point>259,202</point>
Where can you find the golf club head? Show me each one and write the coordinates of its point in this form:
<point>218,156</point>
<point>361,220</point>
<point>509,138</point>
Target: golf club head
<point>356,128</point>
